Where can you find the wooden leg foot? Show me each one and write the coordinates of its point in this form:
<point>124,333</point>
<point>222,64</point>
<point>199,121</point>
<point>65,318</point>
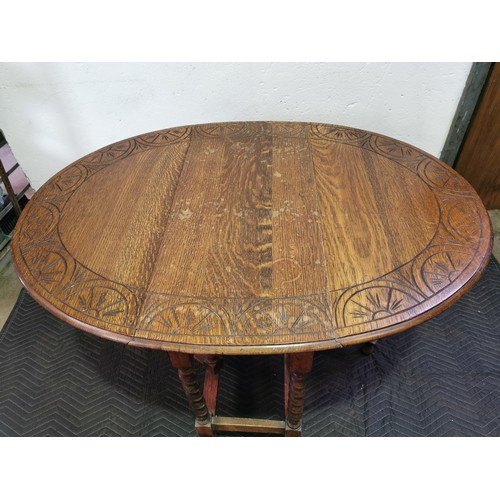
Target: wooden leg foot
<point>204,430</point>
<point>289,432</point>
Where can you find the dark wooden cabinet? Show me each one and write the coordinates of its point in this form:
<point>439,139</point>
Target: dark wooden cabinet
<point>479,158</point>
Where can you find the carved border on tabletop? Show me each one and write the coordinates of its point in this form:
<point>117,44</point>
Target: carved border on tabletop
<point>437,176</point>
<point>58,273</point>
<point>433,172</point>
<point>43,220</point>
<point>48,267</point>
<point>120,150</point>
<point>60,188</point>
<point>238,320</point>
<point>81,290</point>
<point>216,130</point>
<point>404,154</point>
<point>44,255</point>
<point>460,220</point>
<point>234,320</point>
<point>440,263</point>
<point>380,300</point>
<point>438,267</point>
<point>284,317</point>
<point>181,317</point>
<point>102,301</point>
<point>343,135</point>
<point>290,130</point>
<point>164,137</point>
<point>433,270</point>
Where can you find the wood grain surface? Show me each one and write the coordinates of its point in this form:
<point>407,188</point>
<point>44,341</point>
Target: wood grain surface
<point>252,237</point>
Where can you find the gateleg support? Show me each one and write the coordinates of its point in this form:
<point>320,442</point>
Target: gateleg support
<point>212,364</point>
<point>187,376</point>
<point>297,368</point>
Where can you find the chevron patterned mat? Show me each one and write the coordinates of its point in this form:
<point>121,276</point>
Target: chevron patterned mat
<point>441,378</point>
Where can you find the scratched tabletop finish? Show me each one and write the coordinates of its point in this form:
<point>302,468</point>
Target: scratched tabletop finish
<point>252,237</point>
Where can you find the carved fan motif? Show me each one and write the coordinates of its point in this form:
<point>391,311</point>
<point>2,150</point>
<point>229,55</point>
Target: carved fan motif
<point>289,129</point>
<point>42,220</point>
<point>290,318</point>
<point>69,179</point>
<point>163,137</point>
<point>440,177</point>
<point>49,267</point>
<point>186,319</point>
<point>396,150</point>
<point>220,130</point>
<point>375,303</point>
<point>441,269</point>
<point>338,134</point>
<point>101,302</point>
<point>463,220</point>
<point>109,154</point>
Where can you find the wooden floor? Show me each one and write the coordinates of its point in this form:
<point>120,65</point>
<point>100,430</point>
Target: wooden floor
<point>10,286</point>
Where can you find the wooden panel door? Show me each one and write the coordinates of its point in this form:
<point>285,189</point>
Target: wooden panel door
<point>479,159</point>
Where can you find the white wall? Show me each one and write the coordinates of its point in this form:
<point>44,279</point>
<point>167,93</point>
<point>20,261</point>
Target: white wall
<point>54,113</point>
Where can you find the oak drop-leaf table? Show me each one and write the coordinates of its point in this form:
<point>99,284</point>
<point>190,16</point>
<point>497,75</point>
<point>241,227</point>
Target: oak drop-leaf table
<point>251,238</point>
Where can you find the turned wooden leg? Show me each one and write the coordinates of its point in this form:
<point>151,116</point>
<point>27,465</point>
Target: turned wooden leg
<point>212,364</point>
<point>297,368</point>
<point>187,376</point>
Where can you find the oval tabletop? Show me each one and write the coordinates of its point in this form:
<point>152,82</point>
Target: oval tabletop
<point>252,237</point>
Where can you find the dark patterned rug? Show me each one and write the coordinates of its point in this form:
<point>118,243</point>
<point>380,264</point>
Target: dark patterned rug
<point>441,378</point>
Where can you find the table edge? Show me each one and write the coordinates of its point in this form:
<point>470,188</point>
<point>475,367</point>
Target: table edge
<point>274,348</point>
<point>271,348</point>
